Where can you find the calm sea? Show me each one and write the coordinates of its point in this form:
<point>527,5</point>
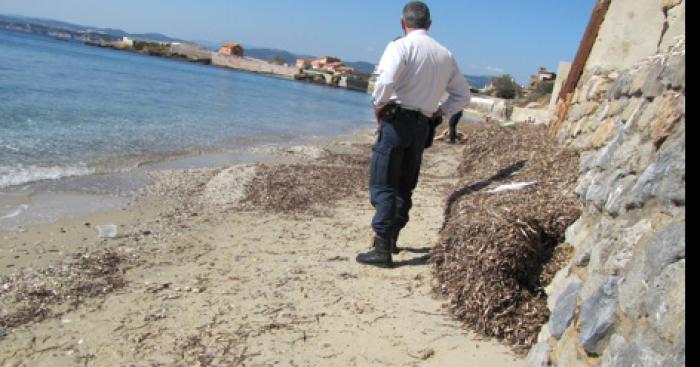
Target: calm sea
<point>72,110</point>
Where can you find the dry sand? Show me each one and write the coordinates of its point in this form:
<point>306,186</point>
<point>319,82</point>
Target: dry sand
<point>209,281</point>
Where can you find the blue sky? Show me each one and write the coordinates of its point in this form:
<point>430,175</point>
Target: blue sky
<point>487,37</point>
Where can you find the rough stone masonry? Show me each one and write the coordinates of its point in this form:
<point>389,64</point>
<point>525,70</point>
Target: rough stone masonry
<point>621,299</point>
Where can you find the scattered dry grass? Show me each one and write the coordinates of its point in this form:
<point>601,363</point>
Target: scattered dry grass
<point>33,295</point>
<point>308,189</point>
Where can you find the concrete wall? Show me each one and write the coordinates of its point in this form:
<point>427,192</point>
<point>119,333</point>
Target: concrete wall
<point>534,115</point>
<point>620,301</point>
<point>192,52</point>
<point>254,65</point>
<point>634,29</point>
<point>491,106</point>
<point>562,75</point>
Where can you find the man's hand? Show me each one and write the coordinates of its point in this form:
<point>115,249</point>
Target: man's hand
<point>377,112</point>
<point>436,119</point>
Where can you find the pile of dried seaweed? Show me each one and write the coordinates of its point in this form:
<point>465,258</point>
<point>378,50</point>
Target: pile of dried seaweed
<point>33,295</point>
<point>497,250</point>
<point>308,189</point>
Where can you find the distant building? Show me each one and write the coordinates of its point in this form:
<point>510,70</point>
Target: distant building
<point>128,42</point>
<point>546,75</point>
<point>303,64</point>
<point>232,49</point>
<point>326,63</point>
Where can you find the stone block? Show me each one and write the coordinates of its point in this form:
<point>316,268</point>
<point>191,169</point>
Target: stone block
<point>564,308</point>
<point>605,131</point>
<point>666,247</point>
<point>633,289</point>
<point>665,301</point>
<point>586,161</point>
<point>577,233</point>
<point>626,157</point>
<point>621,86</point>
<point>646,78</point>
<point>597,316</point>
<point>624,244</point>
<point>598,89</point>
<point>633,110</point>
<point>581,110</point>
<point>636,353</point>
<point>670,113</point>
<point>617,342</point>
<point>675,18</point>
<point>649,113</point>
<point>556,286</point>
<point>539,355</point>
<point>582,258</point>
<point>667,4</point>
<point>607,153</point>
<point>616,203</point>
<point>677,357</point>
<point>617,106</point>
<point>663,179</point>
<point>601,187</point>
<point>673,75</point>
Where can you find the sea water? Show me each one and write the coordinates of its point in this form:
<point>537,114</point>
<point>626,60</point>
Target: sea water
<point>78,123</point>
<point>67,109</point>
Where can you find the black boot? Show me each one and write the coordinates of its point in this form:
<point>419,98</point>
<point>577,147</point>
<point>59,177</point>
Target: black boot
<point>394,240</point>
<point>380,255</point>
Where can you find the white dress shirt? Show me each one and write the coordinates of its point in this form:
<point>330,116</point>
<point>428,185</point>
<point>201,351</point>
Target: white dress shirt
<point>416,71</point>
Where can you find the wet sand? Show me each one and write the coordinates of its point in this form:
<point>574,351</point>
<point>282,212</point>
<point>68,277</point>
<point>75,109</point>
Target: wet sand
<point>207,279</point>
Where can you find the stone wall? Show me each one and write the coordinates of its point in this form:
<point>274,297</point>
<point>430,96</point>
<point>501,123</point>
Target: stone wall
<point>254,65</point>
<point>621,299</point>
<point>191,52</point>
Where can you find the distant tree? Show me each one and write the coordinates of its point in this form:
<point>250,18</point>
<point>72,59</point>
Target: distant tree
<point>542,89</point>
<point>506,87</point>
<point>278,60</point>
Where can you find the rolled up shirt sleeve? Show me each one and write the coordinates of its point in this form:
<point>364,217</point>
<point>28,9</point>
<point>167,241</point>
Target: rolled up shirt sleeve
<point>458,92</point>
<point>389,69</point>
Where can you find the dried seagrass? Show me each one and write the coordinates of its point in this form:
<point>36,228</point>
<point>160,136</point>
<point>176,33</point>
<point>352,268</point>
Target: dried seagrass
<point>308,189</point>
<point>33,295</point>
<point>497,251</point>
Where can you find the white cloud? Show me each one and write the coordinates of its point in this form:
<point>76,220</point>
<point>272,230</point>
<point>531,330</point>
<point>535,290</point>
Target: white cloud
<point>494,69</point>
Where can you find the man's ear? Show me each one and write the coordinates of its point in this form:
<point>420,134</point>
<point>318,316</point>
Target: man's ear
<point>430,22</point>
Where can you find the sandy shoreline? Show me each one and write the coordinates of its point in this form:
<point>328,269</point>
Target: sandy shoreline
<point>205,274</point>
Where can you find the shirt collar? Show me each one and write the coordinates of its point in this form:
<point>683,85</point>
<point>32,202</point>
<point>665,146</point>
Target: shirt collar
<point>417,32</point>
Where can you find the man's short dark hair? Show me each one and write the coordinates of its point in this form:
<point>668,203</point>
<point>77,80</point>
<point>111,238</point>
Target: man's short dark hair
<point>416,15</point>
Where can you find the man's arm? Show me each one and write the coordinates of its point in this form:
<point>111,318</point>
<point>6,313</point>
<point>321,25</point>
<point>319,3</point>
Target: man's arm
<point>458,91</point>
<point>390,67</point>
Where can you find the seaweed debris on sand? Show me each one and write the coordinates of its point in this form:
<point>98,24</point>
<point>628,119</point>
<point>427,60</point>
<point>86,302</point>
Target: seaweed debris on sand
<point>498,250</point>
<point>33,295</point>
<point>308,188</point>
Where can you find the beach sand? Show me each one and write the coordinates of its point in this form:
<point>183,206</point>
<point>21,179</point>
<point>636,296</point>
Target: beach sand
<point>198,276</point>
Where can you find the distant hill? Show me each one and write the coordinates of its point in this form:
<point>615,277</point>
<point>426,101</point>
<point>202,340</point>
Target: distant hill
<point>478,81</point>
<point>48,26</point>
<point>270,53</point>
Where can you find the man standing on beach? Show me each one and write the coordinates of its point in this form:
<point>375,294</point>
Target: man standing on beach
<point>414,73</point>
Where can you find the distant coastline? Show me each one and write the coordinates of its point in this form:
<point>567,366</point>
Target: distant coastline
<point>191,51</point>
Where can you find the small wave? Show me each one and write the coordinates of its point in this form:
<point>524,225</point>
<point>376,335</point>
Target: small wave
<point>15,212</point>
<point>20,174</point>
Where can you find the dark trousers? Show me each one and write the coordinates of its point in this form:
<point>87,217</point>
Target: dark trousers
<point>453,126</point>
<point>395,166</point>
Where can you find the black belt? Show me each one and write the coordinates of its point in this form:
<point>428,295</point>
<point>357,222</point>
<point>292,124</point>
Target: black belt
<point>415,114</point>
